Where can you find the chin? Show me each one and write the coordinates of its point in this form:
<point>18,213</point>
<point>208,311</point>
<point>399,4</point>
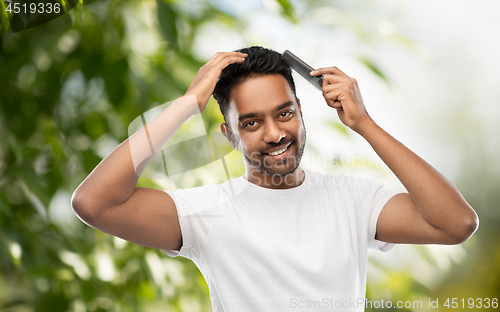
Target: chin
<point>279,171</point>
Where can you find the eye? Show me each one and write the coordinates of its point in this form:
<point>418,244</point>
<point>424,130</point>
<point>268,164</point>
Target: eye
<point>249,124</point>
<point>286,114</point>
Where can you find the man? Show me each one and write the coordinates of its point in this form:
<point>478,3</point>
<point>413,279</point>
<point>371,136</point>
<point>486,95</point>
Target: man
<point>279,237</point>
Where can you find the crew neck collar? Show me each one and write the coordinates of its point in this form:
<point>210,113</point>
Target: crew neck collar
<point>277,192</point>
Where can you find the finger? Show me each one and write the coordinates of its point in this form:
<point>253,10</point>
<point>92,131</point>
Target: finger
<point>328,70</point>
<point>225,55</point>
<point>223,63</point>
<point>211,60</point>
<point>219,56</point>
<point>226,58</point>
<point>241,54</point>
<point>335,95</point>
<point>334,79</point>
<point>331,87</point>
<point>333,70</point>
<point>335,104</point>
<point>328,89</point>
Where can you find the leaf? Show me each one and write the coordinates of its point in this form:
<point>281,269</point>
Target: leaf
<point>4,25</point>
<point>16,23</point>
<point>167,19</point>
<point>25,15</point>
<point>19,22</point>
<point>339,127</point>
<point>375,69</point>
<point>288,10</point>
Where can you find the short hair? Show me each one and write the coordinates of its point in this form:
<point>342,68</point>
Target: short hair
<point>260,62</point>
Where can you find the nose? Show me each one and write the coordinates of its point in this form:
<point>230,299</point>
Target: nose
<point>273,133</point>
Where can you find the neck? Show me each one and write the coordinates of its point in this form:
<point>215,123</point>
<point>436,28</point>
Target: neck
<point>291,180</point>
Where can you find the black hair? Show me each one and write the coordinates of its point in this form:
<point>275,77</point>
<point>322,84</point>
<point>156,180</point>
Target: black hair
<point>260,62</point>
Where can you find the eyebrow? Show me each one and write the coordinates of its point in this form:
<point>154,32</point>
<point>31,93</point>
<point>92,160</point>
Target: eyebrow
<point>253,115</point>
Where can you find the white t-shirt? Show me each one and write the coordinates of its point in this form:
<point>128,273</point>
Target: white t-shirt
<point>303,248</point>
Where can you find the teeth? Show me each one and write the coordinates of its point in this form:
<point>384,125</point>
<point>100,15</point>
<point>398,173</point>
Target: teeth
<point>279,152</point>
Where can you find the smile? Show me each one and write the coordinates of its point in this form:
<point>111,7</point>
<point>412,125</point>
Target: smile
<point>280,151</point>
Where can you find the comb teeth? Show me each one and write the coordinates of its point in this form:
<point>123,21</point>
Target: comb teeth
<point>303,69</point>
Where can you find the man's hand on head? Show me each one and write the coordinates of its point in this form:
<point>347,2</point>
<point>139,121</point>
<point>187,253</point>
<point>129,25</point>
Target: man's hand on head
<point>342,93</point>
<point>205,80</point>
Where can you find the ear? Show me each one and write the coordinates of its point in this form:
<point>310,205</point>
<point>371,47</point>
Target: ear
<point>230,136</point>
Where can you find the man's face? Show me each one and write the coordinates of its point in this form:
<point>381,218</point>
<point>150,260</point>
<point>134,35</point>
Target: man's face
<point>266,118</point>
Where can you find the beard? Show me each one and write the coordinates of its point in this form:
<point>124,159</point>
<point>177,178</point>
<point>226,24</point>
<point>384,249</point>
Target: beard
<point>282,167</point>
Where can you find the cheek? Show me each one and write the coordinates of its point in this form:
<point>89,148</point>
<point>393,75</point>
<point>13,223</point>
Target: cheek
<point>302,130</point>
<point>297,128</point>
<point>249,142</point>
<point>244,143</point>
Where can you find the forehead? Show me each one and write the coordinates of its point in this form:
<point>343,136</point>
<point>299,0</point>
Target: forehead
<point>259,94</point>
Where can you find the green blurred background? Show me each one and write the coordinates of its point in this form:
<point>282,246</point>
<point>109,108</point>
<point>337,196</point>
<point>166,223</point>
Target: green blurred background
<point>70,88</point>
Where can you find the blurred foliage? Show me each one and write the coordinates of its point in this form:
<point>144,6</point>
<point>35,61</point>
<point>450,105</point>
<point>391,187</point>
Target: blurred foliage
<point>25,14</point>
<point>68,90</point>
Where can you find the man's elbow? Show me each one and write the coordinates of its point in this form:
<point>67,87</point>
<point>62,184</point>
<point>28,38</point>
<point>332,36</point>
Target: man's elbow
<point>465,229</point>
<point>81,208</point>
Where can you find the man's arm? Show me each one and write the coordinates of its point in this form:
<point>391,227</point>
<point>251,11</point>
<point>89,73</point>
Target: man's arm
<point>108,198</point>
<point>433,211</point>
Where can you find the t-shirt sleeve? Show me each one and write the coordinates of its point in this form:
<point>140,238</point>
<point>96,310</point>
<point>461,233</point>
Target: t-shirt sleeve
<point>196,210</point>
<point>374,196</point>
<point>185,236</point>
